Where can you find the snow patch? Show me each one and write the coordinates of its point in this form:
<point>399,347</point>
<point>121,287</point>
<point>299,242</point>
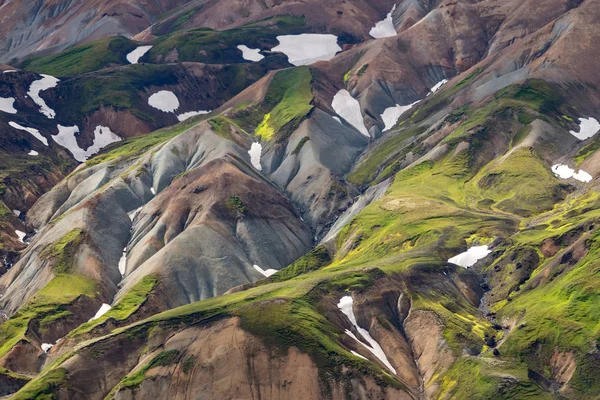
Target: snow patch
<point>46,346</point>
<point>8,71</point>
<point>348,108</point>
<point>67,139</point>
<point>47,82</point>
<point>250,54</point>
<point>255,152</point>
<point>345,306</point>
<point>190,114</point>
<point>391,115</point>
<point>307,48</point>
<point>20,235</point>
<point>266,273</point>
<point>33,153</point>
<point>134,213</point>
<point>17,213</point>
<point>7,105</point>
<point>138,53</point>
<point>153,191</point>
<point>164,100</point>
<point>438,85</point>
<point>337,119</point>
<point>588,127</point>
<point>471,256</point>
<point>33,131</point>
<point>103,310</point>
<point>384,28</point>
<point>564,172</point>
<point>123,262</point>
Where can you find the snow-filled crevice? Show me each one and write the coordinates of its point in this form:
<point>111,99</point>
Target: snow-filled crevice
<point>471,256</point>
<point>134,56</point>
<point>47,82</point>
<point>384,28</point>
<point>349,109</point>
<point>345,306</point>
<point>267,272</point>
<point>255,153</point>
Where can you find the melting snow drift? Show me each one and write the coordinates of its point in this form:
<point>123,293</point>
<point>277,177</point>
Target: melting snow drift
<point>123,262</point>
<point>384,28</point>
<point>438,85</point>
<point>164,100</point>
<point>391,115</point>
<point>21,235</point>
<point>564,172</point>
<point>190,114</point>
<point>348,108</point>
<point>46,347</point>
<point>588,127</point>
<point>250,54</point>
<point>33,153</point>
<point>345,305</point>
<point>33,131</point>
<point>471,256</point>
<point>255,152</point>
<point>103,310</point>
<point>138,53</point>
<point>266,273</point>
<point>307,48</point>
<point>47,82</point>
<point>7,105</point>
<point>67,139</point>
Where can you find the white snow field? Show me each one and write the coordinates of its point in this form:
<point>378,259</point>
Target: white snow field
<point>67,139</point>
<point>471,256</point>
<point>46,346</point>
<point>307,48</point>
<point>164,100</point>
<point>250,54</point>
<point>33,131</point>
<point>438,85</point>
<point>33,153</point>
<point>138,53</point>
<point>7,105</point>
<point>348,108</point>
<point>384,28</point>
<point>391,115</point>
<point>190,114</point>
<point>255,152</point>
<point>266,273</point>
<point>20,235</point>
<point>47,82</point>
<point>564,172</point>
<point>588,127</point>
<point>103,310</point>
<point>345,306</point>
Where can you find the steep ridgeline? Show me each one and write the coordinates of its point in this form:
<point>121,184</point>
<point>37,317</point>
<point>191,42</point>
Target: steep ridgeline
<point>412,216</point>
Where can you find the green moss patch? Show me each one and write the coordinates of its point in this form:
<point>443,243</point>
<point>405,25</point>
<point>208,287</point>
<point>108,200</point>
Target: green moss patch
<point>83,58</point>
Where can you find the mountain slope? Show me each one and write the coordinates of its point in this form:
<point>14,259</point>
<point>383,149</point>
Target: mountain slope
<point>415,217</point>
